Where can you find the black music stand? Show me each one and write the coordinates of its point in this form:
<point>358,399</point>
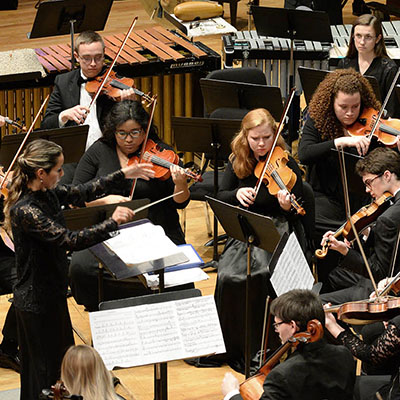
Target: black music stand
<point>217,94</point>
<point>58,17</point>
<point>310,78</point>
<point>160,370</point>
<point>254,230</point>
<point>198,135</point>
<point>72,139</point>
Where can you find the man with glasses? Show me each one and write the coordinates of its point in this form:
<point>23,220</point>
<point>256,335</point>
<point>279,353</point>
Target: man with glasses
<point>380,172</point>
<point>69,102</point>
<point>314,371</point>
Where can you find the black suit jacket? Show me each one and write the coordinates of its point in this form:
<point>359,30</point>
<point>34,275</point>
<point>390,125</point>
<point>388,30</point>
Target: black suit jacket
<point>379,246</point>
<point>66,94</point>
<point>315,371</point>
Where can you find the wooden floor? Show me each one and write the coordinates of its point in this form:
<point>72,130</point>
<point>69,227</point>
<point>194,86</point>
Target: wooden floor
<point>184,382</point>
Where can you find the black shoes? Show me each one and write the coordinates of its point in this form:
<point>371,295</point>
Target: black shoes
<point>10,362</point>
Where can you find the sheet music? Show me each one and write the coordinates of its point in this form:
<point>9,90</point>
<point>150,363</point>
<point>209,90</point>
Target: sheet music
<point>175,278</point>
<point>292,270</point>
<point>160,332</point>
<point>149,242</point>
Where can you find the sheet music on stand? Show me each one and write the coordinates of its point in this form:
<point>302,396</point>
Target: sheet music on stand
<point>290,267</point>
<point>155,333</point>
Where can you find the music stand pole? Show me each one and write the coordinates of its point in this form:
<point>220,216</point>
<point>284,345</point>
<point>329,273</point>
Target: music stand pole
<point>72,21</point>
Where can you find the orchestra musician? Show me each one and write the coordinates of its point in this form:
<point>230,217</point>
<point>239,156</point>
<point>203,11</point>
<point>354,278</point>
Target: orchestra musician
<point>124,133</point>
<point>69,101</point>
<point>314,371</point>
<point>33,213</point>
<point>367,54</point>
<point>250,145</point>
<point>383,350</point>
<point>380,172</point>
<point>83,373</point>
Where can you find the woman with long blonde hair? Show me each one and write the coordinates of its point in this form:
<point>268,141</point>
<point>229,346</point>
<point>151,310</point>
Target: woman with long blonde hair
<point>33,213</point>
<point>251,144</point>
<point>83,373</point>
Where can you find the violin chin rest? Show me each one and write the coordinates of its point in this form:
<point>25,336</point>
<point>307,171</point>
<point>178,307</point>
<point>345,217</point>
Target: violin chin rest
<point>194,10</point>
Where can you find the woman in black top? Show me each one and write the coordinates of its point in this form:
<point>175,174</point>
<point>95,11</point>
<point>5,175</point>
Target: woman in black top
<point>122,138</point>
<point>33,214</point>
<point>367,54</point>
<point>252,144</point>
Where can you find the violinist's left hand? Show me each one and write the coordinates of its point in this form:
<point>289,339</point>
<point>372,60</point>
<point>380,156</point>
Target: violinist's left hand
<point>283,197</point>
<point>331,324</point>
<point>398,142</point>
<point>2,120</point>
<point>128,94</point>
<point>334,244</point>
<point>180,179</point>
<point>229,383</point>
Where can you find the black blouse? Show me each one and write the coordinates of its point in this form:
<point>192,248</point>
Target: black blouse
<point>41,240</point>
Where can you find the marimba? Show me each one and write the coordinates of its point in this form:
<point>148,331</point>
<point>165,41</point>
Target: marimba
<point>162,62</point>
<point>341,35</point>
<point>272,55</point>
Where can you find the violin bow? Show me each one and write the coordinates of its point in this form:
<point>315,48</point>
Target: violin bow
<point>278,132</point>
<point>348,216</point>
<point>153,107</point>
<point>23,142</point>
<point>378,118</point>
<point>97,94</point>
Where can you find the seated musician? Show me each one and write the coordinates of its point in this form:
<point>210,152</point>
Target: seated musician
<point>69,101</point>
<point>251,144</point>
<point>123,136</point>
<point>380,172</point>
<point>83,373</point>
<point>314,371</point>
<point>382,352</point>
<point>367,54</point>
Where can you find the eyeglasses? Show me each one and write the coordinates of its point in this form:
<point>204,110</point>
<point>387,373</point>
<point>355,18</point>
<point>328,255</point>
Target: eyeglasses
<point>368,182</point>
<point>276,324</point>
<point>133,134</point>
<point>367,38</point>
<point>88,59</point>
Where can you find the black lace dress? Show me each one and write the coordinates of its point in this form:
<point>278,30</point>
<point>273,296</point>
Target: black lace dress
<point>383,351</point>
<point>41,241</point>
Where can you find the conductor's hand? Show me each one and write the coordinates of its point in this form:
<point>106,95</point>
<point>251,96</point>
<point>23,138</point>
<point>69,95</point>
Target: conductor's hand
<point>77,114</point>
<point>136,170</point>
<point>246,196</point>
<point>122,215</point>
<point>229,383</point>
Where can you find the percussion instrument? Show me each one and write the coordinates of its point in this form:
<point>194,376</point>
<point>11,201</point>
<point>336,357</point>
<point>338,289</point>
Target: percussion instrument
<point>272,55</point>
<point>162,62</point>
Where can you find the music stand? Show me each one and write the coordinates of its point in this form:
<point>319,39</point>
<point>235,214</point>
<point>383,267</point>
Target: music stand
<point>58,17</point>
<point>197,135</point>
<point>72,139</point>
<point>310,78</point>
<point>160,370</point>
<point>217,94</point>
<point>254,230</point>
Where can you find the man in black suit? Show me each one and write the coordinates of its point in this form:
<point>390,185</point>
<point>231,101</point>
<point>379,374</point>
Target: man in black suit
<point>69,101</point>
<point>380,172</point>
<point>314,371</point>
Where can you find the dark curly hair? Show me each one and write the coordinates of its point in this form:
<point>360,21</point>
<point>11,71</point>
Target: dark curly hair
<point>321,109</point>
<point>120,113</point>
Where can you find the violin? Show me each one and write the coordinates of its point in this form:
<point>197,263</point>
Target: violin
<point>278,176</point>
<point>111,85</point>
<point>364,217</point>
<point>162,160</point>
<point>252,388</point>
<point>386,131</point>
<point>58,392</point>
<point>15,124</point>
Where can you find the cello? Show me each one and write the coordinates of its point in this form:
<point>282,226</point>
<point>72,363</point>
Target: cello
<point>252,388</point>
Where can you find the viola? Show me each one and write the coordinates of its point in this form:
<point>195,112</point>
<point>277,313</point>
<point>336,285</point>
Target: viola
<point>252,388</point>
<point>386,131</point>
<point>278,176</point>
<point>364,217</point>
<point>162,160</point>
<point>113,85</point>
